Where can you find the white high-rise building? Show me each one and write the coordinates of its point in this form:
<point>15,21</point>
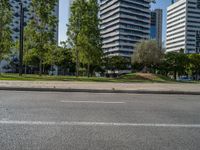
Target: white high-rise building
<point>28,14</point>
<point>183,26</point>
<point>123,24</point>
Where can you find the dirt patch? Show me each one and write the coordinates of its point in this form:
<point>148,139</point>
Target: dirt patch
<point>147,76</point>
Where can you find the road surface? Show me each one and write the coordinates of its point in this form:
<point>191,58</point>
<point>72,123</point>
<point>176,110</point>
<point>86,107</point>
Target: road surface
<point>86,121</point>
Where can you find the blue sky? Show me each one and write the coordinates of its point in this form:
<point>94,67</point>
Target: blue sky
<point>64,5</point>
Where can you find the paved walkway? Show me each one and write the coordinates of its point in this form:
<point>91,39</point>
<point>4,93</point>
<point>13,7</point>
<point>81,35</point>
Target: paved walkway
<point>165,87</point>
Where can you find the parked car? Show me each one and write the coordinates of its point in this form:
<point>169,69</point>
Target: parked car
<point>184,78</point>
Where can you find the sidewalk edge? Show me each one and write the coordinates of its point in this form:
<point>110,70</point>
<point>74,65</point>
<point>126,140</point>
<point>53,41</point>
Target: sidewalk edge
<point>98,91</point>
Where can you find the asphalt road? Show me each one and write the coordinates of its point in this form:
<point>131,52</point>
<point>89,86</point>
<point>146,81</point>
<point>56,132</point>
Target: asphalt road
<point>85,121</point>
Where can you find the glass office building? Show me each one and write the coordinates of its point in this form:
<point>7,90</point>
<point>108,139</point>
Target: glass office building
<point>156,26</point>
<point>28,14</point>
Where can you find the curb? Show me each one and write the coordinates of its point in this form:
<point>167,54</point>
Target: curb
<point>97,91</point>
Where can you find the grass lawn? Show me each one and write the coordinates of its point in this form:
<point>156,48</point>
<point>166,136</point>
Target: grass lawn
<point>128,78</point>
<point>133,77</point>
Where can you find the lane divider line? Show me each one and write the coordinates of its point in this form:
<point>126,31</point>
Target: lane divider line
<point>103,124</point>
<point>95,102</point>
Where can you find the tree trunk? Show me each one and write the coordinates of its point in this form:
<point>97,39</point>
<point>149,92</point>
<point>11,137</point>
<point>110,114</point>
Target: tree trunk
<point>174,75</point>
<point>25,69</point>
<point>77,64</point>
<point>88,70</point>
<point>40,68</point>
<point>0,68</point>
<point>43,68</point>
<point>197,75</point>
<point>0,40</point>
<point>145,69</point>
<point>166,73</point>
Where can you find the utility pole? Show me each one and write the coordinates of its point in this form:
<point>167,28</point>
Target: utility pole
<point>21,47</point>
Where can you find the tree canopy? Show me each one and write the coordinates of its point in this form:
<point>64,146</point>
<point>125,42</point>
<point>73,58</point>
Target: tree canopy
<point>147,53</point>
<point>84,33</point>
<point>5,31</point>
<point>194,64</point>
<point>42,30</point>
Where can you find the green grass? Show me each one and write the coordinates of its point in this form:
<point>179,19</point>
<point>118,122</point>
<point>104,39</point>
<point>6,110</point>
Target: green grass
<point>141,77</point>
<point>48,78</point>
<point>133,77</point>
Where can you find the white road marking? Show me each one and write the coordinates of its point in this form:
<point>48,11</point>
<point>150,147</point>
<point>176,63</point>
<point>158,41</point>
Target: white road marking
<point>95,102</point>
<point>103,124</point>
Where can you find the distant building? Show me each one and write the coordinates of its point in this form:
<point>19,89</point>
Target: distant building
<point>183,26</point>
<point>28,14</point>
<point>123,24</point>
<point>15,25</point>
<point>156,26</point>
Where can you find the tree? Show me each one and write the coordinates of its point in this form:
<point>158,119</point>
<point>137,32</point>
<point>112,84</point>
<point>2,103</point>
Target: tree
<point>195,64</point>
<point>60,56</point>
<point>5,32</point>
<point>116,63</point>
<point>42,30</point>
<point>177,62</point>
<point>89,41</point>
<point>78,9</point>
<point>147,53</point>
<point>84,34</point>
<point>13,60</point>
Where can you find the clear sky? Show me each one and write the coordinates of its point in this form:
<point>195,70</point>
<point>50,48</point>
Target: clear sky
<point>64,9</point>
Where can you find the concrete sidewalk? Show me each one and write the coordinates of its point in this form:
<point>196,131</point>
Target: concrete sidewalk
<point>101,87</point>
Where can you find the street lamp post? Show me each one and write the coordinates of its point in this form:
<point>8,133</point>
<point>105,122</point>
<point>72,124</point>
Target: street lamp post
<point>21,47</point>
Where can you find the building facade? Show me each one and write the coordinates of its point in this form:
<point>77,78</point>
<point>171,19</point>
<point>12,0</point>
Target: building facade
<point>156,26</point>
<point>183,26</point>
<point>123,24</point>
<point>15,25</point>
<point>28,14</point>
